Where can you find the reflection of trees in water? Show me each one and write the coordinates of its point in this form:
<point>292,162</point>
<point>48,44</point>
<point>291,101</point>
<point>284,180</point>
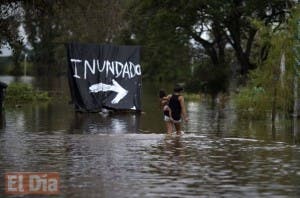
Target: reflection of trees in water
<point>93,123</point>
<point>295,131</point>
<point>53,117</point>
<point>23,149</point>
<point>218,118</point>
<point>209,116</point>
<point>2,119</point>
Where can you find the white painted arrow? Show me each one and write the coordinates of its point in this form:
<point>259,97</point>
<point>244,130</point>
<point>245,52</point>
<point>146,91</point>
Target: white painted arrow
<point>121,92</point>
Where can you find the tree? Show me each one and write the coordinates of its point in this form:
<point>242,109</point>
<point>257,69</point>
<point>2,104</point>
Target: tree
<point>241,32</point>
<point>41,26</point>
<point>165,49</point>
<point>163,27</point>
<point>10,19</point>
<point>96,21</point>
<point>51,24</point>
<point>210,23</point>
<point>270,88</point>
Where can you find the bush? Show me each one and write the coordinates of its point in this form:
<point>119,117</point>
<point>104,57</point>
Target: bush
<point>22,93</point>
<point>270,88</point>
<point>252,103</point>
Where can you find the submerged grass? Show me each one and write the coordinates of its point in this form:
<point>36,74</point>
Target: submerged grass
<point>20,93</point>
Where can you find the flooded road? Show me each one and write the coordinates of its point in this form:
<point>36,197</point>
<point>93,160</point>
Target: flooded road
<point>129,155</point>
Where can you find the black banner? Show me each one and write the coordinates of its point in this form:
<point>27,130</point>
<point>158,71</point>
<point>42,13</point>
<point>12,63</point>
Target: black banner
<point>104,76</point>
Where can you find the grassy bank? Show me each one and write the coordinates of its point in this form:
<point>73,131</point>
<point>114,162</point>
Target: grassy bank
<point>20,93</point>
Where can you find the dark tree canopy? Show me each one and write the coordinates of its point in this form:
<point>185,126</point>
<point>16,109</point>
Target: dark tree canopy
<point>10,20</point>
<point>210,23</point>
<point>50,24</point>
<point>171,33</point>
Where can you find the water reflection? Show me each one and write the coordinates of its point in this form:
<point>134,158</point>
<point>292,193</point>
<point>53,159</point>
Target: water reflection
<point>2,119</point>
<point>207,117</point>
<point>111,155</point>
<point>210,117</point>
<point>104,123</point>
<point>106,164</point>
<point>60,118</point>
<point>170,157</point>
<point>23,79</point>
<point>210,167</point>
<point>295,130</point>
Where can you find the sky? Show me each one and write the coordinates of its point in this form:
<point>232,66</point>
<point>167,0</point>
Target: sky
<point>5,51</point>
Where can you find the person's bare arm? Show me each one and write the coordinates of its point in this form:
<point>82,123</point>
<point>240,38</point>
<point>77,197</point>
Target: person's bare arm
<point>183,109</point>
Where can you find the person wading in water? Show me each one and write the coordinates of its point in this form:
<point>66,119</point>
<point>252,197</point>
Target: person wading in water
<point>167,112</point>
<point>178,110</point>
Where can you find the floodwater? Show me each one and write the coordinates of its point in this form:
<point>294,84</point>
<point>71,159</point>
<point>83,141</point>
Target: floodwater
<point>129,155</point>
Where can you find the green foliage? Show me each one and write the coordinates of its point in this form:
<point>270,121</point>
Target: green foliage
<point>51,24</point>
<point>256,100</point>
<point>270,89</point>
<point>253,103</point>
<point>17,93</point>
<point>154,26</point>
<point>10,21</point>
<point>164,29</point>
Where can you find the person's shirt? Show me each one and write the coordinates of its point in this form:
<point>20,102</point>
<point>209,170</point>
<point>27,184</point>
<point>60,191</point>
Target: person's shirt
<point>175,106</point>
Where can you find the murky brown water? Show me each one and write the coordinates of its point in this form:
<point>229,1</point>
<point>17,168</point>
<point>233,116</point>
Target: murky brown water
<point>128,155</point>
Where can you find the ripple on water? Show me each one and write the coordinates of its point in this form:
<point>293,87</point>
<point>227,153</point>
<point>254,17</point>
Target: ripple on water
<point>200,163</point>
